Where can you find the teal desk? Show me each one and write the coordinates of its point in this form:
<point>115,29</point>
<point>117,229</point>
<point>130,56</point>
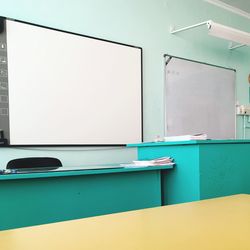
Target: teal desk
<point>39,198</point>
<point>204,169</point>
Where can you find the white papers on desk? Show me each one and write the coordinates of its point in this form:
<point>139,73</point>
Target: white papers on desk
<point>163,161</point>
<point>186,137</point>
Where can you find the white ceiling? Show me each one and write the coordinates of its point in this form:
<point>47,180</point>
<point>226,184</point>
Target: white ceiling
<point>240,7</point>
<point>240,4</point>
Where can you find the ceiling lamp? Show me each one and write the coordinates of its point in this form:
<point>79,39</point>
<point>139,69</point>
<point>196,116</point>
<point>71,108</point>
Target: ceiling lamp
<point>221,31</point>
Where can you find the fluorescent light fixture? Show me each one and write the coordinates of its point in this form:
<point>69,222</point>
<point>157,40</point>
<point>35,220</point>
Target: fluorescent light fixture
<point>229,33</point>
<point>221,31</point>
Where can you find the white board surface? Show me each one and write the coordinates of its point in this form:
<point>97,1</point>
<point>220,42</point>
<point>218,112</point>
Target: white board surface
<point>70,89</point>
<point>199,98</point>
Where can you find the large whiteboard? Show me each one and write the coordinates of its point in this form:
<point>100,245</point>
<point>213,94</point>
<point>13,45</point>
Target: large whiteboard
<point>70,89</point>
<point>199,98</point>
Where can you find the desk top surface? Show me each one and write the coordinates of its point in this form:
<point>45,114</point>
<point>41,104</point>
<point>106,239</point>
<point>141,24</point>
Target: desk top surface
<point>189,142</point>
<point>221,223</point>
<point>74,171</point>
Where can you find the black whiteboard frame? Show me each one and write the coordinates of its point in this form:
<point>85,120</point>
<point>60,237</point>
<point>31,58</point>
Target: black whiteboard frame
<point>2,19</point>
<point>190,60</point>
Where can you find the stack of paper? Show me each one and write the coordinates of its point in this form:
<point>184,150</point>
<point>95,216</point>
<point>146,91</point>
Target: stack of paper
<point>163,161</point>
<point>186,137</point>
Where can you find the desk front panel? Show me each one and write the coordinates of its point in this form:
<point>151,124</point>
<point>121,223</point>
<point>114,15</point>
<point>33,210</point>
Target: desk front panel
<point>204,169</point>
<point>27,202</point>
<point>225,169</point>
<point>182,183</point>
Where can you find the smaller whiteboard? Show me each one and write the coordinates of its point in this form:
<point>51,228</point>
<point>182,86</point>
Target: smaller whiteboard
<point>199,98</point>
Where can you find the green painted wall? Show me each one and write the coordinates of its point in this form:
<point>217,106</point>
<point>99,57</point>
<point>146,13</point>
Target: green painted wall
<point>142,23</point>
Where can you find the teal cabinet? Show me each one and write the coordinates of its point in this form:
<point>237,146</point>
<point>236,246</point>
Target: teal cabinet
<point>204,169</point>
<point>40,198</point>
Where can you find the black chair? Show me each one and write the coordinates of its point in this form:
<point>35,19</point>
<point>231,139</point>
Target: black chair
<point>41,163</point>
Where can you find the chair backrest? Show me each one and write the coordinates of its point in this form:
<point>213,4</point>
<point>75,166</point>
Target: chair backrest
<point>34,162</point>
